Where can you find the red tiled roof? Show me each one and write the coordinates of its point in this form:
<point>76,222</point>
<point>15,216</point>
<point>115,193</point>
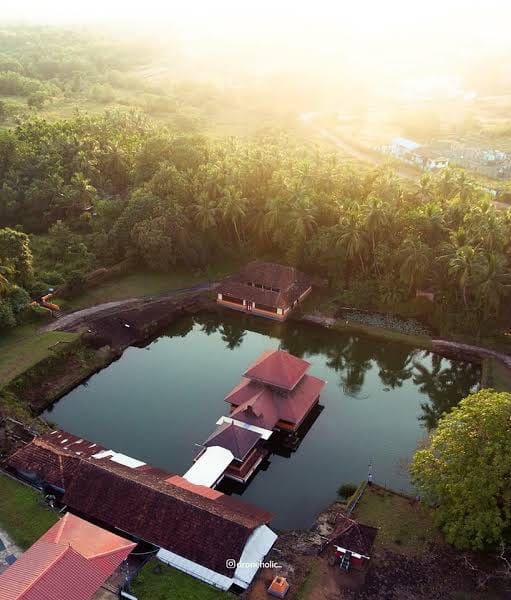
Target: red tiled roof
<point>53,457</point>
<point>354,536</point>
<point>280,277</point>
<point>236,439</point>
<point>205,530</point>
<point>262,406</point>
<point>55,568</point>
<point>287,284</point>
<point>278,368</point>
<point>149,503</point>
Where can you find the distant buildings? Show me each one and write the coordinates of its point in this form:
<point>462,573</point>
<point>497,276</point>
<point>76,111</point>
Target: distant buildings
<point>416,154</point>
<point>486,161</point>
<point>264,289</point>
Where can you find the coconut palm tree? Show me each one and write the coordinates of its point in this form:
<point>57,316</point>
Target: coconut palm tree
<point>205,212</point>
<point>415,262</point>
<point>493,283</point>
<point>375,223</point>
<point>461,267</point>
<point>234,208</point>
<point>353,241</point>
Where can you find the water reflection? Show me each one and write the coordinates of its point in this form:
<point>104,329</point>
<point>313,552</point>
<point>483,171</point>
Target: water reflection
<point>353,356</point>
<point>380,400</point>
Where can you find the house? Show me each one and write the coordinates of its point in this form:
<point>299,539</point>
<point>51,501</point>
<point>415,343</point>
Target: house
<point>403,147</point>
<point>196,529</point>
<point>245,446</point>
<point>71,561</point>
<point>352,543</point>
<point>429,160</point>
<point>275,393</point>
<point>265,289</point>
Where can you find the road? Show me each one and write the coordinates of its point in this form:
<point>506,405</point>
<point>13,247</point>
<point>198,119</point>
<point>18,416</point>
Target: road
<point>66,322</point>
<point>359,154</point>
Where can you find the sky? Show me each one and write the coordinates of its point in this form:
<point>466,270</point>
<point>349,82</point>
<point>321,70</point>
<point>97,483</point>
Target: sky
<point>409,37</point>
<point>483,17</point>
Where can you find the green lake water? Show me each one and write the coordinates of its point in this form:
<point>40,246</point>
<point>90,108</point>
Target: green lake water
<point>156,403</point>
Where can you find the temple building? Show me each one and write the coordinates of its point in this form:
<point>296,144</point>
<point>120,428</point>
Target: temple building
<point>275,393</point>
<point>265,289</point>
<point>194,528</point>
<point>246,446</point>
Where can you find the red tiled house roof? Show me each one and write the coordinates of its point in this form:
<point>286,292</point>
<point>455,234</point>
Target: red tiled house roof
<point>283,284</point>
<point>354,536</point>
<point>200,524</point>
<point>238,440</point>
<point>278,368</point>
<point>53,457</point>
<point>69,562</point>
<point>204,530</point>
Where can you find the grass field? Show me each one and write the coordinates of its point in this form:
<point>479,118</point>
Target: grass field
<point>404,526</point>
<point>144,283</point>
<point>157,581</point>
<point>21,514</point>
<point>23,347</point>
<point>133,285</point>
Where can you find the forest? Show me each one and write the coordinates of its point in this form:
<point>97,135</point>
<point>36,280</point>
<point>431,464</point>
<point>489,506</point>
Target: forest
<point>153,179</point>
<point>95,190</point>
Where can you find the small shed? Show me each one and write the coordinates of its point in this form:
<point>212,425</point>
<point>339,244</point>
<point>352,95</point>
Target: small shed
<point>353,543</point>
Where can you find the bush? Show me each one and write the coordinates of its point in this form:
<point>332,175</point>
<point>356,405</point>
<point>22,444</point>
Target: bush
<point>346,490</point>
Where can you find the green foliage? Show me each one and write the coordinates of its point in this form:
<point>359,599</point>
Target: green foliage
<point>15,270</point>
<point>22,513</point>
<point>346,490</point>
<point>157,581</point>
<point>466,471</point>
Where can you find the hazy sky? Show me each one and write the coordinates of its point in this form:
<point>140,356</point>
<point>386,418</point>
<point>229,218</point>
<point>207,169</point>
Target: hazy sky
<point>484,18</point>
<point>411,37</point>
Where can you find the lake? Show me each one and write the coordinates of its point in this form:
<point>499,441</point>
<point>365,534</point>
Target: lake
<point>156,403</point>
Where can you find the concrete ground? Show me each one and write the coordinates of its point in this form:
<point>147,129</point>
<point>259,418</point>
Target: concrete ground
<point>10,548</point>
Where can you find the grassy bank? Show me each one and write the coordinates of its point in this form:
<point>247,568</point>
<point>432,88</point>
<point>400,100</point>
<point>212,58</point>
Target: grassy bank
<point>21,513</point>
<point>404,526</point>
<point>23,347</point>
<point>144,283</point>
<point>157,581</point>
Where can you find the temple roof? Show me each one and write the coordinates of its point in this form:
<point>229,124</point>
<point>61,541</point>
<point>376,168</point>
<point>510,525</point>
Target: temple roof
<point>260,405</point>
<point>238,440</point>
<point>268,284</point>
<point>278,368</point>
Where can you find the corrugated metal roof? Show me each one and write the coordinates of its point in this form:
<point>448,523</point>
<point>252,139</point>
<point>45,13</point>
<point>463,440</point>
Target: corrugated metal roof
<point>209,467</point>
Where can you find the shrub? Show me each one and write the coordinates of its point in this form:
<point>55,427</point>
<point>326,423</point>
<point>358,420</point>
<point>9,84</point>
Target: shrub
<point>346,490</point>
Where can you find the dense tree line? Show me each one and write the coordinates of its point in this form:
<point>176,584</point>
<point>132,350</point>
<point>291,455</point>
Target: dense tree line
<point>129,189</point>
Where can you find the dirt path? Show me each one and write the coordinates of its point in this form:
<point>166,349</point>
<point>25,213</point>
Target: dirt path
<point>359,154</point>
<point>75,318</point>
